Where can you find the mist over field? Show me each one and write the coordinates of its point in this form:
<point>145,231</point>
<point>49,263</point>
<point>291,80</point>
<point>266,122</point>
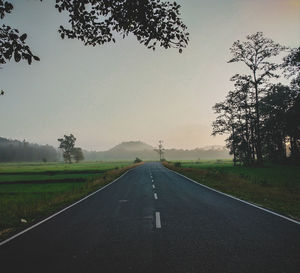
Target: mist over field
<point>22,151</point>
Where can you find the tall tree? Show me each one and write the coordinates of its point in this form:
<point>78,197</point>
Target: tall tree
<point>67,144</point>
<point>257,53</point>
<point>274,108</point>
<point>235,117</point>
<point>291,65</point>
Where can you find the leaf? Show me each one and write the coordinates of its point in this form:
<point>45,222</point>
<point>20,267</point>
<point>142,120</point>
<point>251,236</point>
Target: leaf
<point>23,37</point>
<point>29,59</point>
<point>17,56</point>
<point>36,58</point>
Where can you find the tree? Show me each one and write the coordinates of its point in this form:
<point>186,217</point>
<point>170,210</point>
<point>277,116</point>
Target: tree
<point>291,63</point>
<point>256,53</point>
<point>12,43</point>
<point>77,154</point>
<point>67,145</point>
<point>275,107</point>
<point>293,129</point>
<point>259,116</point>
<point>137,160</point>
<point>235,118</point>
<point>96,22</point>
<point>16,151</point>
<point>151,21</point>
<point>291,66</point>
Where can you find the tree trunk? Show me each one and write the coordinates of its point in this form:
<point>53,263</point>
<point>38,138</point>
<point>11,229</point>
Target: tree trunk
<point>257,124</point>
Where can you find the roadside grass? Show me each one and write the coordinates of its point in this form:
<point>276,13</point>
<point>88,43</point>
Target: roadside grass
<point>13,178</point>
<point>55,167</point>
<point>23,204</point>
<point>275,187</point>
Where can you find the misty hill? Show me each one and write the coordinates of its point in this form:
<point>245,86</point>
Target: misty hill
<point>132,146</point>
<point>132,149</point>
<point>15,150</point>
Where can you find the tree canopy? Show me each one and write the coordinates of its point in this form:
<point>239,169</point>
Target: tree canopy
<point>96,22</point>
<point>67,144</point>
<point>260,115</point>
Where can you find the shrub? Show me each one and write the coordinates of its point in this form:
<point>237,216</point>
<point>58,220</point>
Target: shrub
<point>137,160</point>
<point>177,164</point>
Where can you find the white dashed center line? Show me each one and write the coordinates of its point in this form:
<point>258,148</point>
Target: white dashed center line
<point>155,196</point>
<point>153,186</point>
<point>157,219</point>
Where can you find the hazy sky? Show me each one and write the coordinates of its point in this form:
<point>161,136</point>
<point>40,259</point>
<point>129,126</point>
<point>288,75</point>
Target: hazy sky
<point>124,91</point>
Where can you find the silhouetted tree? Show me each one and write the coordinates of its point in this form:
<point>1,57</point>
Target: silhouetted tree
<point>153,22</point>
<point>291,63</point>
<point>235,117</point>
<point>291,66</point>
<point>293,129</point>
<point>259,116</point>
<point>256,53</point>
<point>77,154</point>
<point>274,109</point>
<point>67,145</point>
<point>12,43</point>
<point>137,160</point>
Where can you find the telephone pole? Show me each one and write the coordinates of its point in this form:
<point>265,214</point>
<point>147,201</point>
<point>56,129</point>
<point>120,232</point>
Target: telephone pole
<point>160,150</point>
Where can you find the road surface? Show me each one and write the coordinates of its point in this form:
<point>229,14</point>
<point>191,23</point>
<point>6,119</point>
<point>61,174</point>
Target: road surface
<point>154,220</point>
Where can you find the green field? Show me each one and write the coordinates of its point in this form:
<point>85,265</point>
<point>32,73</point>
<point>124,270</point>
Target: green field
<point>269,175</point>
<point>31,191</point>
<point>276,187</point>
<point>58,167</point>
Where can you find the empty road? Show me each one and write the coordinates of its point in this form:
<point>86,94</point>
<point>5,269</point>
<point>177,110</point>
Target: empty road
<point>154,220</point>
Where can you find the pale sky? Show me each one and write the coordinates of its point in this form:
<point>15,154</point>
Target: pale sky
<point>124,91</point>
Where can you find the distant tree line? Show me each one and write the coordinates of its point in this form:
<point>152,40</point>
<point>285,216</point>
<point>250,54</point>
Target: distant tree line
<point>17,151</point>
<point>261,115</point>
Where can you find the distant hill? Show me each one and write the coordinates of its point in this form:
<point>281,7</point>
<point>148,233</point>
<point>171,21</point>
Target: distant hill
<point>132,146</point>
<point>132,149</point>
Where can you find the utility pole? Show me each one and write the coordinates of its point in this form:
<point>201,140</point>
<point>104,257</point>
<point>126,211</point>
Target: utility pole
<point>160,150</point>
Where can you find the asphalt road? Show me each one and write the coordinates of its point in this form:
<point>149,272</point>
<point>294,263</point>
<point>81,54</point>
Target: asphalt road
<point>153,220</point>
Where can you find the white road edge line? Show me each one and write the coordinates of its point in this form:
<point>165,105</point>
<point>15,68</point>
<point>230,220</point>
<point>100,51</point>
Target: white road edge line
<point>243,201</point>
<point>155,196</point>
<point>157,220</point>
<point>153,186</point>
<point>59,212</point>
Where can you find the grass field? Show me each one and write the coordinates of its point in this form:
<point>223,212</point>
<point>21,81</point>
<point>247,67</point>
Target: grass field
<point>29,192</point>
<point>55,167</point>
<point>275,187</point>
